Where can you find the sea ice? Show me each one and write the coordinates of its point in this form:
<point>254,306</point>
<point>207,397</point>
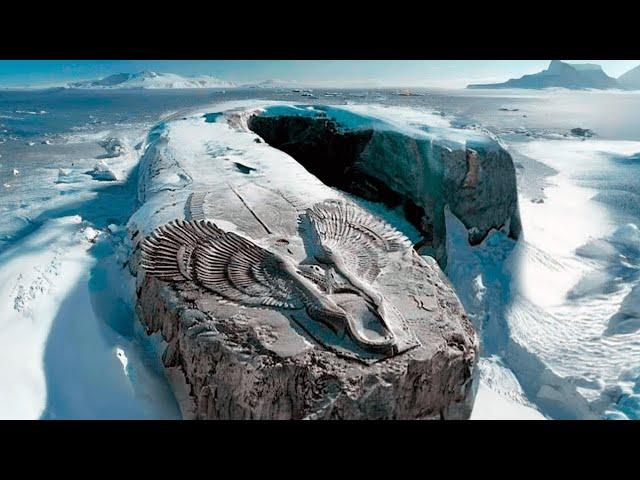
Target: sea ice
<point>103,172</point>
<point>627,319</point>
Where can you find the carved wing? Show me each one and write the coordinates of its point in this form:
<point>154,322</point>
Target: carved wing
<point>240,270</point>
<point>167,252</point>
<point>223,262</point>
<point>359,238</point>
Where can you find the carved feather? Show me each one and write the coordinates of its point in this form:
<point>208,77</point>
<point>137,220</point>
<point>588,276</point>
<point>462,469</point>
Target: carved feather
<point>361,240</point>
<point>167,253</point>
<point>223,262</point>
<point>237,269</point>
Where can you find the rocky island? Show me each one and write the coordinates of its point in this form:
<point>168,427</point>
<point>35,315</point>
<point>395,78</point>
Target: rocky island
<point>561,74</point>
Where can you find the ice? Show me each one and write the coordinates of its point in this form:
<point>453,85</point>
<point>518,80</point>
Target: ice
<point>628,235</point>
<point>631,303</point>
<point>91,234</point>
<point>598,249</point>
<point>103,172</point>
<point>114,228</point>
<point>627,319</point>
<point>64,176</point>
<point>113,146</point>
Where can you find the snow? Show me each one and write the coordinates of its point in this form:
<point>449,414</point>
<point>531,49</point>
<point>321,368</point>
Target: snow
<point>69,344</point>
<point>200,151</point>
<point>57,357</point>
<point>421,124</point>
<point>490,405</point>
<point>36,275</point>
<point>91,234</point>
<point>556,307</point>
<point>499,395</point>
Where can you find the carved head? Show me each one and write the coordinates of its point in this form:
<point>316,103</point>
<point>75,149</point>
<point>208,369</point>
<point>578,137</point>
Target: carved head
<point>313,272</point>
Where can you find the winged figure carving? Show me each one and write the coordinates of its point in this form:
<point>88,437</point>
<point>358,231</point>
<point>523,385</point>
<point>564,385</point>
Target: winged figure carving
<point>356,244</point>
<point>237,269</point>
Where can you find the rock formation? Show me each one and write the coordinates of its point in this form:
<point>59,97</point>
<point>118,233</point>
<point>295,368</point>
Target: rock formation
<point>631,79</point>
<point>278,297</point>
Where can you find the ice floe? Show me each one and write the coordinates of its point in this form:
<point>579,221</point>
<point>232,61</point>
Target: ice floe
<point>103,172</point>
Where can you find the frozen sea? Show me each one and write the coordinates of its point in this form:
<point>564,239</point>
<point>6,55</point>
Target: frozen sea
<point>558,311</point>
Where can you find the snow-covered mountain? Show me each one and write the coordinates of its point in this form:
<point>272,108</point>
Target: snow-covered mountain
<point>631,79</point>
<point>153,80</point>
<point>560,74</point>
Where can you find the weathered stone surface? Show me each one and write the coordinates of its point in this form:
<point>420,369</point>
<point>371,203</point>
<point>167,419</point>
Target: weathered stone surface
<point>233,361</point>
<point>235,368</point>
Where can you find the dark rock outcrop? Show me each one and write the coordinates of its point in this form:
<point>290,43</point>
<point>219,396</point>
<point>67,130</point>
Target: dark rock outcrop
<point>582,132</point>
<point>421,175</point>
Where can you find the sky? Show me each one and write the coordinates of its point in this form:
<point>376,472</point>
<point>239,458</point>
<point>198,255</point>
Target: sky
<point>342,73</point>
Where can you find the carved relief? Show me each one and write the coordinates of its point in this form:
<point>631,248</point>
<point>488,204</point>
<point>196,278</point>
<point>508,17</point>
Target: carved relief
<point>356,245</point>
<point>350,245</point>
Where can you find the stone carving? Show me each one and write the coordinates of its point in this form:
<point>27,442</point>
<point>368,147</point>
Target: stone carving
<point>351,244</point>
<point>356,244</point>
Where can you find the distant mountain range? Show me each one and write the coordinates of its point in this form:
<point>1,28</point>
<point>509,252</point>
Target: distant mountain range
<point>152,80</point>
<point>631,79</point>
<point>570,75</point>
<point>558,74</point>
